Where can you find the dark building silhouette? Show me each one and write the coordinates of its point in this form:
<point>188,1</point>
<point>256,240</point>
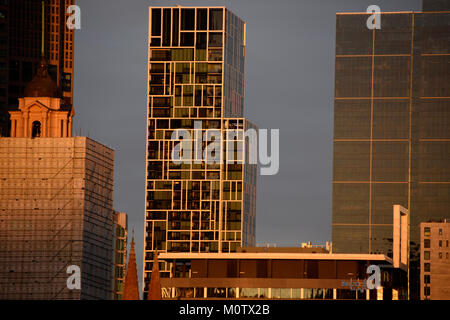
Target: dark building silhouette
<point>391,127</point>
<point>21,50</point>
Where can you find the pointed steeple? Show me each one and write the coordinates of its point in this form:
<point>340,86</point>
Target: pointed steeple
<point>155,282</point>
<point>131,287</point>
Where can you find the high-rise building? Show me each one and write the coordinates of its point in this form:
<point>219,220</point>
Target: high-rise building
<point>56,203</point>
<point>391,126</point>
<point>435,260</point>
<point>120,253</point>
<point>196,83</point>
<point>29,28</point>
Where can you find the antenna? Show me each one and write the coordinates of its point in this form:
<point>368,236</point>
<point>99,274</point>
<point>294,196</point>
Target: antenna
<point>43,29</point>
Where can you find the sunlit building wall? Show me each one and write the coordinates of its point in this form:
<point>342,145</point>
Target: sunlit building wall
<point>56,197</point>
<point>196,74</point>
<point>391,127</point>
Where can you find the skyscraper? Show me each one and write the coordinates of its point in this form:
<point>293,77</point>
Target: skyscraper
<point>196,83</point>
<point>24,26</point>
<point>391,126</point>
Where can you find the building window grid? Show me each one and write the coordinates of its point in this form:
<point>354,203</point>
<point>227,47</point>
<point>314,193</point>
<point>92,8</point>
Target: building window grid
<point>189,109</point>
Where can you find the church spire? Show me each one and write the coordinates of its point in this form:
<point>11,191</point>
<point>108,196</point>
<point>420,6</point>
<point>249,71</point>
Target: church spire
<point>131,287</point>
<point>154,292</point>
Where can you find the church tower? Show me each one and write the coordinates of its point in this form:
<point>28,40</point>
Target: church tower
<point>42,112</point>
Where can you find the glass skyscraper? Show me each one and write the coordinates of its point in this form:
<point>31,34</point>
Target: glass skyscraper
<point>391,126</point>
<point>196,83</point>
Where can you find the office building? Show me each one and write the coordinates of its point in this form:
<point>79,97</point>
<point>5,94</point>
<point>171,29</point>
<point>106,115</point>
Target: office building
<point>305,272</point>
<point>56,203</point>
<point>434,260</point>
<point>280,275</point>
<point>120,253</point>
<point>25,34</point>
<point>391,127</point>
<point>196,83</point>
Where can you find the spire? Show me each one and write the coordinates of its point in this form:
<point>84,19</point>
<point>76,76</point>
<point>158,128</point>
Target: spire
<point>155,282</point>
<point>131,287</point>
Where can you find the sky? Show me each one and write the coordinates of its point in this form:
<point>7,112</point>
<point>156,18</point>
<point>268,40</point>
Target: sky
<point>289,85</point>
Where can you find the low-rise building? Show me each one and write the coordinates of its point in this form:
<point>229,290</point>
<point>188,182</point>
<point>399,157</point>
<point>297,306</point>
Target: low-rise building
<point>434,260</point>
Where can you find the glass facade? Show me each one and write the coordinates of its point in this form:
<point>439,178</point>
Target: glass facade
<point>196,83</point>
<point>391,127</point>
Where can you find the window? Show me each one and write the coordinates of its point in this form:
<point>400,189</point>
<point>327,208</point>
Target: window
<point>156,22</point>
<point>427,255</point>
<point>426,231</point>
<point>446,255</point>
<point>215,19</point>
<point>215,39</point>
<point>187,19</point>
<point>426,278</point>
<point>426,243</point>
<point>202,18</point>
<point>426,267</point>
<point>36,129</point>
<point>187,39</point>
<point>440,255</point>
<point>440,232</point>
<point>426,291</point>
<point>440,243</point>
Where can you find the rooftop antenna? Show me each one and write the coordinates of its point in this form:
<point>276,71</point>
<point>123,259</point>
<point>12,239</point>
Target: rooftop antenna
<point>43,29</point>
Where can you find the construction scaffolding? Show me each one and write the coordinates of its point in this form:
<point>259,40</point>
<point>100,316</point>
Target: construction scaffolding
<point>56,197</point>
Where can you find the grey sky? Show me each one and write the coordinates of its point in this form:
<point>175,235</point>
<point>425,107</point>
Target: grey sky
<point>289,84</point>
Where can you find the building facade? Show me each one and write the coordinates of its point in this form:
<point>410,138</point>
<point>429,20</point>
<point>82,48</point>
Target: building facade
<point>280,275</point>
<point>21,36</point>
<point>196,83</point>
<point>391,127</point>
<point>120,253</point>
<point>55,211</point>
<point>434,260</point>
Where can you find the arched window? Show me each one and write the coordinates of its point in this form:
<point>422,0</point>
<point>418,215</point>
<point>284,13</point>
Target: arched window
<point>36,129</point>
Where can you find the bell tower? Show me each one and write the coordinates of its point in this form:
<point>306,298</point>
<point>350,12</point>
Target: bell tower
<point>41,111</point>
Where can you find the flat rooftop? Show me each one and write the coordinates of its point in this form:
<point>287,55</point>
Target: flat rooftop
<point>275,255</point>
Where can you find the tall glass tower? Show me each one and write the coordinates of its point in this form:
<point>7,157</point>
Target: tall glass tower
<point>196,83</point>
<point>391,126</point>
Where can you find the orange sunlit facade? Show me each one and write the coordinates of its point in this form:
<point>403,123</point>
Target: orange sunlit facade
<point>196,83</point>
